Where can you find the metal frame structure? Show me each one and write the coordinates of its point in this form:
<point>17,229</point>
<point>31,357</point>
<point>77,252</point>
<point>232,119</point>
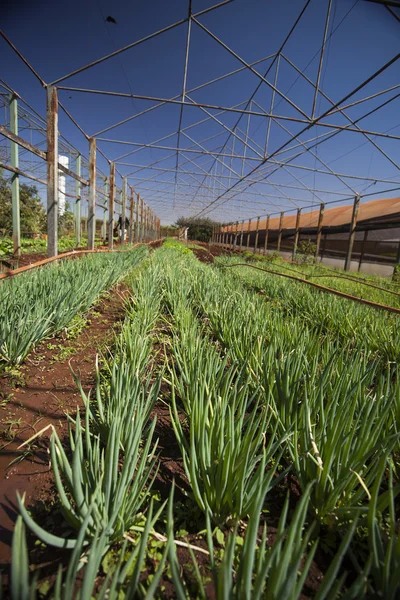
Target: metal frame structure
<point>230,170</point>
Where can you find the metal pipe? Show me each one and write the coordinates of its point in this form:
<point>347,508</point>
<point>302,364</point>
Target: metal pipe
<point>319,228</point>
<point>111,202</point>
<point>52,171</point>
<point>133,44</point>
<point>296,234</point>
<point>14,155</point>
<point>105,218</point>
<point>280,231</point>
<point>353,225</point>
<point>78,165</point>
<point>91,226</point>
<point>321,58</point>
<point>266,235</point>
<point>132,215</point>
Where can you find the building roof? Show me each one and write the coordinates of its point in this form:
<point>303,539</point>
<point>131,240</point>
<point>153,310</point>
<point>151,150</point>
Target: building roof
<point>376,211</point>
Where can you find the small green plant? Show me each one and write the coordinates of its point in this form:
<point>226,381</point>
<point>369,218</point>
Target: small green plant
<point>306,252</point>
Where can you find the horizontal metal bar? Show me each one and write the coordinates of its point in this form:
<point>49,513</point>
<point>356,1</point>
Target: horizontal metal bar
<point>22,173</point>
<point>72,174</point>
<point>21,142</point>
<point>133,44</point>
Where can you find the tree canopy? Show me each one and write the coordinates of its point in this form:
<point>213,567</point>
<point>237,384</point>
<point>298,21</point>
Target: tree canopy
<point>32,212</point>
<point>199,229</point>
<point>33,215</point>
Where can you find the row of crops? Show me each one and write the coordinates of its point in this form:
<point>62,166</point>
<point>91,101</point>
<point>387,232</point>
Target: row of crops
<point>45,301</point>
<point>367,287</point>
<point>285,408</point>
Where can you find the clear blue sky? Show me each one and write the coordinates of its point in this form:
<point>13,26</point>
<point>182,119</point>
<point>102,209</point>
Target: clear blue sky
<point>59,37</point>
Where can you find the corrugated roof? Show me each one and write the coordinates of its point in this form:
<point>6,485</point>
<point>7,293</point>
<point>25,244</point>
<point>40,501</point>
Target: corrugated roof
<point>333,217</point>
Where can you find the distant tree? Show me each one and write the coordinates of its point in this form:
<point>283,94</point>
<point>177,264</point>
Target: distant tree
<point>66,222</point>
<point>33,215</point>
<point>199,229</point>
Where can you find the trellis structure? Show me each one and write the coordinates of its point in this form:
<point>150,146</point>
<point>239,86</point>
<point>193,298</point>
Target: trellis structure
<point>86,183</point>
<point>234,171</point>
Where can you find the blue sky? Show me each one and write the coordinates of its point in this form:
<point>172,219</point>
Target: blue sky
<point>58,38</point>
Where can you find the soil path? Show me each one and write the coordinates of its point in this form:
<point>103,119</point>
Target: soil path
<point>40,393</point>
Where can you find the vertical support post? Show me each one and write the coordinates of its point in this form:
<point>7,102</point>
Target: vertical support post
<point>363,249</point>
<point>78,186</point>
<point>323,246</point>
<point>137,219</point>
<point>241,236</point>
<point>52,171</point>
<point>14,150</point>
<point>319,228</point>
<point>141,219</point>
<point>124,194</point>
<point>266,234</point>
<point>92,194</point>
<point>111,201</point>
<point>248,234</point>
<point>144,232</point>
<point>280,232</point>
<point>104,227</point>
<point>296,234</point>
<point>256,240</point>
<point>236,234</point>
<point>132,215</point>
<point>352,233</point>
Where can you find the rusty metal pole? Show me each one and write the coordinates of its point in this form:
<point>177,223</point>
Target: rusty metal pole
<point>319,228</point>
<point>91,228</point>
<point>111,201</point>
<point>363,249</point>
<point>104,226</point>
<point>78,186</point>
<point>266,235</point>
<point>132,215</point>
<point>352,234</point>
<point>52,171</point>
<point>14,152</point>
<point>236,234</point>
<point>248,234</point>
<point>137,219</point>
<point>256,240</point>
<point>141,219</point>
<point>241,236</point>
<point>296,234</point>
<point>280,232</point>
<point>124,194</point>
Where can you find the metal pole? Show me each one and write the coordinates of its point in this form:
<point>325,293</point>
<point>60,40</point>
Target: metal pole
<point>256,240</point>
<point>141,219</point>
<point>106,194</point>
<point>111,199</point>
<point>78,185</point>
<point>363,249</point>
<point>321,58</point>
<point>296,234</point>
<point>319,228</point>
<point>236,233</point>
<point>280,232</point>
<point>52,171</point>
<point>92,194</point>
<point>353,225</point>
<point>132,215</point>
<point>124,194</point>
<point>137,219</point>
<point>266,235</point>
<point>248,234</point>
<point>241,236</point>
<point>14,150</point>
